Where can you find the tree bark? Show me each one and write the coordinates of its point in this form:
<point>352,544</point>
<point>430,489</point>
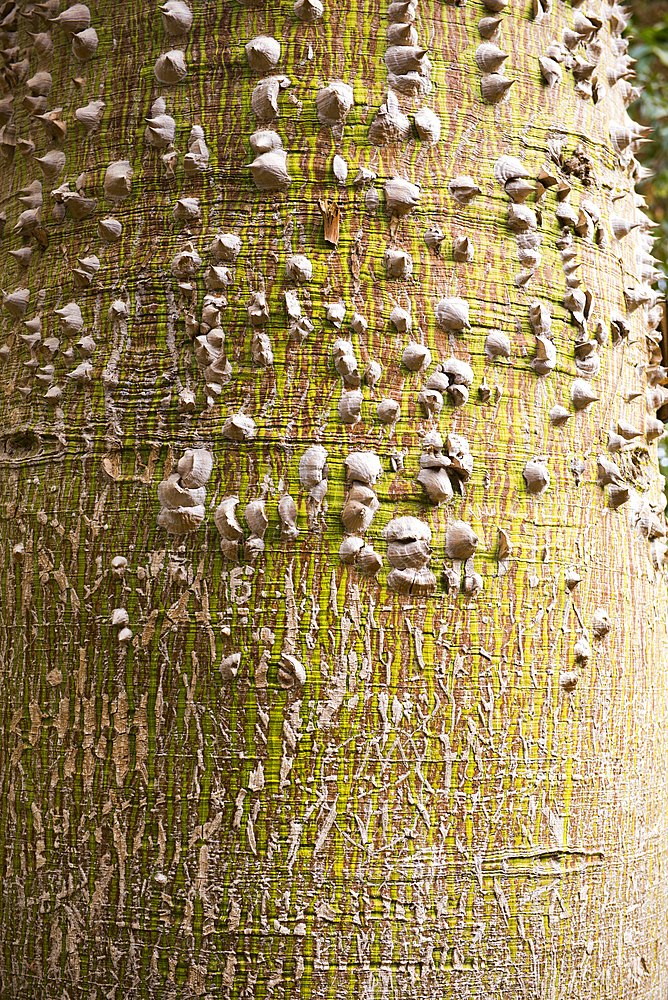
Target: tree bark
<point>377,706</point>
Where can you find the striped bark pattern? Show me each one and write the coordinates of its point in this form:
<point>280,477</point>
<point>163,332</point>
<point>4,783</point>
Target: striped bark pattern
<point>333,641</point>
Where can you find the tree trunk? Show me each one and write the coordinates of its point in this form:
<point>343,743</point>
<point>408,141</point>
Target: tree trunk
<point>378,705</point>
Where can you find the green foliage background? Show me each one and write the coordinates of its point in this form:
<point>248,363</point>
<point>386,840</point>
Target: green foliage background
<point>648,35</point>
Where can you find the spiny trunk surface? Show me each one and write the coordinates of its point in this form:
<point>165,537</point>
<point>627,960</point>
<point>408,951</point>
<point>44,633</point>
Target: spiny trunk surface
<point>306,748</point>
